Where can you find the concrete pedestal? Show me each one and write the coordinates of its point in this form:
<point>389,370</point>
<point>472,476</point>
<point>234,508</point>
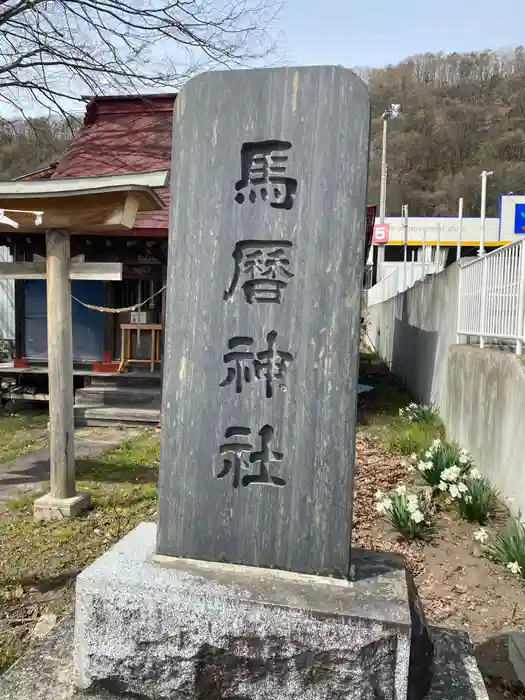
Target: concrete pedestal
<point>517,654</point>
<point>50,508</point>
<point>159,627</point>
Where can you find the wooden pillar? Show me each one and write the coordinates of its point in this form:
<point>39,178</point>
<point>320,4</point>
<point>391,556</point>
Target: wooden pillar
<point>60,365</point>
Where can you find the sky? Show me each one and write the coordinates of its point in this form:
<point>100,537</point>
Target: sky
<point>374,33</point>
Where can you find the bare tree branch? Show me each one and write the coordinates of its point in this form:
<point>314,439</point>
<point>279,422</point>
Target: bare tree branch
<point>53,51</point>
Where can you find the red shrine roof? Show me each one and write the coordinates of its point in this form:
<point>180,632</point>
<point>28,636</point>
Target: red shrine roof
<point>125,134</point>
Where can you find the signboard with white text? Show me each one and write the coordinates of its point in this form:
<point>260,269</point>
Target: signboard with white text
<point>381,234</point>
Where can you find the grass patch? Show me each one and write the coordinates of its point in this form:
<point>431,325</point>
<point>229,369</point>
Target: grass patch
<point>414,429</point>
<point>401,436</point>
<point>40,560</point>
<point>21,433</point>
<point>380,412</point>
<point>410,439</point>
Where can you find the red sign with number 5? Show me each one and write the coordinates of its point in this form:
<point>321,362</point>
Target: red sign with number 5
<point>381,233</point>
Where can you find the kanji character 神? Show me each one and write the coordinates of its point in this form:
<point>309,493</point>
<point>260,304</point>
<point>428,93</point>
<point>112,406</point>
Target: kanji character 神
<point>270,364</point>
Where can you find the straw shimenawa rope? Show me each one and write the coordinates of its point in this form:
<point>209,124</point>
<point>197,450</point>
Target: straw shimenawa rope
<point>108,310</point>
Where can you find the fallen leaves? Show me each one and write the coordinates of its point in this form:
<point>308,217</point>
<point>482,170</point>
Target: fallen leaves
<point>458,587</point>
<point>377,471</point>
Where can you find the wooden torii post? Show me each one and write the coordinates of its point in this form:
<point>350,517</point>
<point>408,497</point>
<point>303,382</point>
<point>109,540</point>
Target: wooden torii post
<point>87,204</point>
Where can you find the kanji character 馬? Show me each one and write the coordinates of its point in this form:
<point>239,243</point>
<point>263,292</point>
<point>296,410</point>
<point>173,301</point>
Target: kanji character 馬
<point>263,164</point>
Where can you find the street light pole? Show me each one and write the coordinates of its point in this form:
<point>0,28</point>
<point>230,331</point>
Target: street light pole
<point>484,175</point>
<point>382,192</point>
<point>460,229</point>
<point>390,112</point>
<point>404,214</point>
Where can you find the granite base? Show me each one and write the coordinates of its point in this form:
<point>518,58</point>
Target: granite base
<point>49,665</point>
<point>48,507</point>
<point>516,646</point>
<point>158,627</point>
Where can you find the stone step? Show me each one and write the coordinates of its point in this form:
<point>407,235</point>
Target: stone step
<point>135,379</point>
<point>127,416</point>
<point>517,654</point>
<point>100,395</point>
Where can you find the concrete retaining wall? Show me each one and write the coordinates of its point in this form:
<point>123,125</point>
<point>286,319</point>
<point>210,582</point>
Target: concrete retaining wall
<point>413,331</point>
<point>485,414</point>
<point>480,393</point>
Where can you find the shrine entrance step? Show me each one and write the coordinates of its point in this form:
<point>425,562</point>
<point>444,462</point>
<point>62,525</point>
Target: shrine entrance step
<point>141,397</point>
<point>130,400</point>
<point>125,416</point>
<point>129,379</point>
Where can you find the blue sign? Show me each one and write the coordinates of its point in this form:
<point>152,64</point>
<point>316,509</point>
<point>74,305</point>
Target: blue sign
<point>519,219</point>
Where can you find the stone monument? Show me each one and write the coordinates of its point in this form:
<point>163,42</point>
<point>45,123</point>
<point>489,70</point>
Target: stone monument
<point>264,283</point>
<point>247,589</point>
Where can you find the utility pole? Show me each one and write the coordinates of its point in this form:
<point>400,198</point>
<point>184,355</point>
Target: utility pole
<point>390,112</point>
<point>404,214</point>
<point>460,229</point>
<point>484,175</point>
<point>382,193</point>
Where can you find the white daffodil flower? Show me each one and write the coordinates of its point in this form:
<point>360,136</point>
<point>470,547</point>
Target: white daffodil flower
<point>417,516</point>
<point>481,535</point>
<point>451,473</point>
<point>453,491</point>
<point>412,503</point>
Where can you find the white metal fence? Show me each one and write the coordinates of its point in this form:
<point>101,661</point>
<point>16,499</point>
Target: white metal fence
<point>398,281</point>
<point>491,297</point>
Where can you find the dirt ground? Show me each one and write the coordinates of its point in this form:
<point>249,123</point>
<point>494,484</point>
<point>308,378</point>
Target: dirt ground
<point>459,589</point>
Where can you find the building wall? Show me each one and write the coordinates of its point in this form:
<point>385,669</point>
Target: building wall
<point>87,324</point>
<point>445,229</point>
<point>425,233</point>
<point>432,259</point>
<point>7,301</point>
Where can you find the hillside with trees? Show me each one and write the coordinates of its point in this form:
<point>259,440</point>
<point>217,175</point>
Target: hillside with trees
<point>27,145</point>
<point>460,114</point>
